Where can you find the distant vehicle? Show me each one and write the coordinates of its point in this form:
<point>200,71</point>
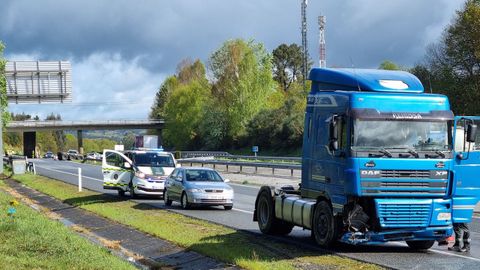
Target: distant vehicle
<point>146,141</point>
<point>93,156</point>
<point>198,186</point>
<point>49,155</point>
<point>139,172</point>
<point>73,154</point>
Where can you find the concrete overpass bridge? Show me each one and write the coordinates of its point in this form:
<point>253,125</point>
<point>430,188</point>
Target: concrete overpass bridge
<point>29,129</point>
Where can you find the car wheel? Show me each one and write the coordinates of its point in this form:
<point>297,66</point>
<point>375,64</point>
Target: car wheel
<point>132,191</point>
<point>167,200</point>
<point>228,207</point>
<point>184,201</point>
<point>121,193</point>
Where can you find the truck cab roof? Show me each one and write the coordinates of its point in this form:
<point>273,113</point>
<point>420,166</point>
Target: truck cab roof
<point>348,79</point>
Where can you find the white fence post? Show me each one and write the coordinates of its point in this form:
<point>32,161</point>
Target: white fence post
<point>79,179</point>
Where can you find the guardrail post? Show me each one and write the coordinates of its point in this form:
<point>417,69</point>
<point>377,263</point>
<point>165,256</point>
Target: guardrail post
<point>256,169</point>
<point>227,167</point>
<point>79,179</point>
<point>291,172</point>
<point>241,168</point>
<point>273,170</point>
<point>214,166</point>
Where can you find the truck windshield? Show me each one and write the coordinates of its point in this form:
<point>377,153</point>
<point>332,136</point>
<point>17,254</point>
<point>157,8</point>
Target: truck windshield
<point>153,160</point>
<point>401,134</point>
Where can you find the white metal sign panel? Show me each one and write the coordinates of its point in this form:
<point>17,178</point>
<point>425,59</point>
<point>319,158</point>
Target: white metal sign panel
<point>39,82</point>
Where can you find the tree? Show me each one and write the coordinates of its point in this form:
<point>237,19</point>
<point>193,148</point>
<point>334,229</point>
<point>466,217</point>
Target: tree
<point>242,83</point>
<point>167,87</point>
<point>452,66</point>
<point>183,114</point>
<point>389,65</point>
<point>3,88</point>
<point>287,63</point>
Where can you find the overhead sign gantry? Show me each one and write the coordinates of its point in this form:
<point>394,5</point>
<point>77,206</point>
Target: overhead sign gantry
<point>36,82</point>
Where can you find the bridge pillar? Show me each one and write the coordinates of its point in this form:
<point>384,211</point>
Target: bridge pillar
<point>160,140</point>
<point>29,142</point>
<point>80,141</point>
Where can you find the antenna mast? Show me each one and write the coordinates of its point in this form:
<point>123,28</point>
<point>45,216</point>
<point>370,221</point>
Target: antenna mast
<point>304,42</point>
<point>321,41</point>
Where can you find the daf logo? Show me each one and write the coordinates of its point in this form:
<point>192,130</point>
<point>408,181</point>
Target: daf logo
<point>370,173</point>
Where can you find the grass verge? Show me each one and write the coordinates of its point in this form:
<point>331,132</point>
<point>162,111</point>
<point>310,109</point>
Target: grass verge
<point>228,245</point>
<point>32,241</point>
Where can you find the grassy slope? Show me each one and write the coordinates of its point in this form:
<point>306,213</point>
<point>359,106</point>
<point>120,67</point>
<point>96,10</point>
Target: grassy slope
<point>223,243</point>
<point>32,241</point>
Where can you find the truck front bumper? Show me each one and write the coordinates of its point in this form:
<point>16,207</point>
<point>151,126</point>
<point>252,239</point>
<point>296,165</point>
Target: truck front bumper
<point>429,233</point>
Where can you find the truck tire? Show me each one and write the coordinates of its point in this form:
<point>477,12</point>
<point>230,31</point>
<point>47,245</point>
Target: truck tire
<point>267,222</point>
<point>420,245</point>
<point>323,224</point>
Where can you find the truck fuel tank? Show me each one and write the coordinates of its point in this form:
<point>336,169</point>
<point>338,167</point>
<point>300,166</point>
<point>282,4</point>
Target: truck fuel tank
<point>294,209</point>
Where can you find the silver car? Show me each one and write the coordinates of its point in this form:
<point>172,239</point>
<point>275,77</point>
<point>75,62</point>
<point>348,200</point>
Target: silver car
<point>198,186</point>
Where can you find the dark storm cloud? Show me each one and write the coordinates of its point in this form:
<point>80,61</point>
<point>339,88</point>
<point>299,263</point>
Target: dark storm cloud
<point>164,32</point>
<point>151,37</point>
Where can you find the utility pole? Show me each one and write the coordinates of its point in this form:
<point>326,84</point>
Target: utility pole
<point>304,42</point>
<point>321,41</point>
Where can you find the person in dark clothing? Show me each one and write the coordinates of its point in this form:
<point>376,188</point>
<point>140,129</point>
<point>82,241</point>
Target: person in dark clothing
<point>462,238</point>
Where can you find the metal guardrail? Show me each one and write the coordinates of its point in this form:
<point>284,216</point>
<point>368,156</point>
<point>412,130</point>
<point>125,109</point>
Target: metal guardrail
<point>241,164</point>
<point>193,154</point>
<point>295,159</point>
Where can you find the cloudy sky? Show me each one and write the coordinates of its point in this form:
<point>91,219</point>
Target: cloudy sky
<point>122,50</point>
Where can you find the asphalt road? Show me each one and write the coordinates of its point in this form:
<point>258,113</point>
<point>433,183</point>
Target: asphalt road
<point>394,255</point>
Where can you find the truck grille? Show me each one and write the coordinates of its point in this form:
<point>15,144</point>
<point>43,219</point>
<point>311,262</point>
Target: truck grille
<point>405,174</point>
<point>404,182</point>
<point>403,215</point>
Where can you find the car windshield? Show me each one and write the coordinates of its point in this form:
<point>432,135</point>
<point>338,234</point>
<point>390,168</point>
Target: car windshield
<point>407,134</point>
<point>153,160</point>
<point>202,175</point>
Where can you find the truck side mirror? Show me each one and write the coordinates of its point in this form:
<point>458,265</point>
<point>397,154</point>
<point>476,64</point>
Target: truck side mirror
<point>471,132</point>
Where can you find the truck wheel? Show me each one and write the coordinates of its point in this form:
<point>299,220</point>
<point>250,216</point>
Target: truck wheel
<point>167,200</point>
<point>323,224</point>
<point>420,245</point>
<point>267,222</point>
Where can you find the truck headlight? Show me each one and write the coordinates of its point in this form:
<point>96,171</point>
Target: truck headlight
<point>444,216</point>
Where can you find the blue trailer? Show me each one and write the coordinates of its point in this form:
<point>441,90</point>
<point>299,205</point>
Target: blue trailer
<point>379,163</point>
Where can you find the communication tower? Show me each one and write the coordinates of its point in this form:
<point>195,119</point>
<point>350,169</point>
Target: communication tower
<point>321,41</point>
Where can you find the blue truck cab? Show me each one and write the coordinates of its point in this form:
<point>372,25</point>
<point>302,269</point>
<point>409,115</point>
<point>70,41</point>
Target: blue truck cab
<point>379,163</point>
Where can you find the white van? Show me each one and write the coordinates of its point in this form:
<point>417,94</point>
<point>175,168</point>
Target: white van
<point>139,172</point>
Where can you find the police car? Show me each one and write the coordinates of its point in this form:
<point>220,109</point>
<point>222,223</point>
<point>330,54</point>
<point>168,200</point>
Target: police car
<point>138,172</point>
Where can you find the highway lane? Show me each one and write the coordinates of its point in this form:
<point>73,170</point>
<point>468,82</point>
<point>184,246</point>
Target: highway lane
<point>395,255</point>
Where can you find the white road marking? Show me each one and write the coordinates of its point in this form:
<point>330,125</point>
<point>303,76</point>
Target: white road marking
<point>74,174</point>
<point>243,211</point>
<point>445,253</point>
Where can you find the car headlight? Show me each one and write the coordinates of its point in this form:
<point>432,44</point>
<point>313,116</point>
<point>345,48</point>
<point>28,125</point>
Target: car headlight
<point>140,175</point>
<point>194,190</point>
